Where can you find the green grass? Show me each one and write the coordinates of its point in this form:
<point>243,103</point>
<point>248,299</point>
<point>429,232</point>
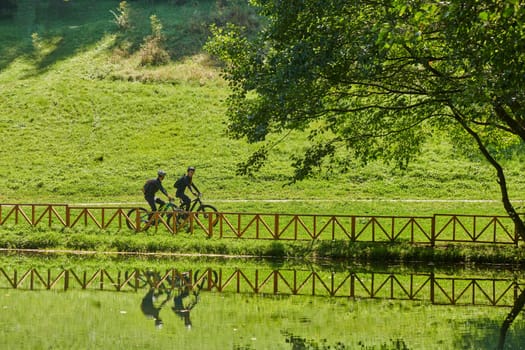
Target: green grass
<point>113,242</point>
<point>83,122</point>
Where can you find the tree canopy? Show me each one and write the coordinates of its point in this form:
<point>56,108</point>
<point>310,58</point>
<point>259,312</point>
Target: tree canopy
<point>375,78</point>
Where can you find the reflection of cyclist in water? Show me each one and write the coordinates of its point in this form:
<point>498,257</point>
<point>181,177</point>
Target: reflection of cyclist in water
<point>150,306</point>
<point>180,308</point>
<point>181,285</point>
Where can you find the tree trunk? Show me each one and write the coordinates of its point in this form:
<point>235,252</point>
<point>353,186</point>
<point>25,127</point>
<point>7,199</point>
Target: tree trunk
<point>519,225</point>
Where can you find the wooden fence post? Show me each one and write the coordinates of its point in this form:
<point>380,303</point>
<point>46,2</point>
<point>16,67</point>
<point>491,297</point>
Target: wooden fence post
<point>68,216</point>
<point>433,231</point>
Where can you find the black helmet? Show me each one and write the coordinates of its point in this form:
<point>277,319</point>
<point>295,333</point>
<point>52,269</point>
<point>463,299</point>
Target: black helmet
<point>161,173</point>
<point>191,168</point>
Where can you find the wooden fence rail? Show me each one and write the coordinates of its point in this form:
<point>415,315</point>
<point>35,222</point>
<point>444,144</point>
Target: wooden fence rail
<point>436,289</point>
<point>430,230</point>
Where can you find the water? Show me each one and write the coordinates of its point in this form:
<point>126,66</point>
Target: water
<point>255,305</point>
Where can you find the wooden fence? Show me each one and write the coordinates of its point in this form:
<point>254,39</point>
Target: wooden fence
<point>429,287</point>
<point>429,230</point>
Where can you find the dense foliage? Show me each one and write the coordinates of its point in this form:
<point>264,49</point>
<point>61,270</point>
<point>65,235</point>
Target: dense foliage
<point>375,79</point>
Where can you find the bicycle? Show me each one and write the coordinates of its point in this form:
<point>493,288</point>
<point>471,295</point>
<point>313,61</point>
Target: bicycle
<point>146,218</point>
<point>169,210</point>
<point>202,210</point>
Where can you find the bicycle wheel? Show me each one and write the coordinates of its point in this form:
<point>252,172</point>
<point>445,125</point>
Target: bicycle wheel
<point>203,212</point>
<point>143,222</point>
<point>204,279</point>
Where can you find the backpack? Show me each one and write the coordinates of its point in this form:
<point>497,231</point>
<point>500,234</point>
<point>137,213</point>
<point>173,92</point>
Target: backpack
<point>179,183</point>
<point>148,187</point>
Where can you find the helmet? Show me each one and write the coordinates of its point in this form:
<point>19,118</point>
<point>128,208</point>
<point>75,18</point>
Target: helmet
<point>191,168</point>
<point>161,173</point>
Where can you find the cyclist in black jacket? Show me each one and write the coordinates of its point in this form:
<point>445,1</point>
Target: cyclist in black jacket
<point>150,189</point>
<point>186,181</point>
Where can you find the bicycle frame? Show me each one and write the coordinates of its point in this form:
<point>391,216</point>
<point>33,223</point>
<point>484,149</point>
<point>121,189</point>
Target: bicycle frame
<point>146,219</point>
<point>199,210</point>
<point>194,204</point>
<point>168,208</point>
<point>170,215</point>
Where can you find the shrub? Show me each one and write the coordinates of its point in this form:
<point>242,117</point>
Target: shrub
<point>121,16</point>
<point>152,51</point>
<point>38,241</point>
<point>83,242</point>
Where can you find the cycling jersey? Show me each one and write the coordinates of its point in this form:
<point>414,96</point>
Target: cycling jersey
<point>152,186</point>
<point>182,183</point>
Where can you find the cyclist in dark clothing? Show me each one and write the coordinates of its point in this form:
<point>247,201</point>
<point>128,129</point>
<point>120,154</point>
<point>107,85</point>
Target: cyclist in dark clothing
<point>186,181</point>
<point>151,187</point>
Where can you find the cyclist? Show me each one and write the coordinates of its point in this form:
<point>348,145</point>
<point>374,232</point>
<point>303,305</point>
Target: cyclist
<point>186,181</point>
<point>150,189</point>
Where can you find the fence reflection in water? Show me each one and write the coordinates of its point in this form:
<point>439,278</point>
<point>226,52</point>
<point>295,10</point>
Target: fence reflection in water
<point>179,290</point>
<point>431,287</point>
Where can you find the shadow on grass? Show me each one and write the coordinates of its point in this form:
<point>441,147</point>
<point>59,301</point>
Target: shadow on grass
<point>70,25</point>
<point>66,27</point>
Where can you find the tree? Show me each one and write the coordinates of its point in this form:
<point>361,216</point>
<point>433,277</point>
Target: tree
<point>377,77</point>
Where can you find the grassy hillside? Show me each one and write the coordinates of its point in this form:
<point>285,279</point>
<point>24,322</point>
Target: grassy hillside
<point>83,121</point>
